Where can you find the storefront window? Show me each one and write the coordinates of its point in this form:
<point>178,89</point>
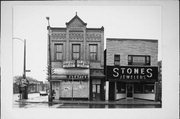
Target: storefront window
<point>148,88</point>
<point>121,87</point>
<point>138,88</point>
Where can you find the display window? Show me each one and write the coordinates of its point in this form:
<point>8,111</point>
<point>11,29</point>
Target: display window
<point>121,87</point>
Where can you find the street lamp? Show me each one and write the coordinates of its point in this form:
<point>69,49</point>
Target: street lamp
<point>49,63</point>
<point>24,94</point>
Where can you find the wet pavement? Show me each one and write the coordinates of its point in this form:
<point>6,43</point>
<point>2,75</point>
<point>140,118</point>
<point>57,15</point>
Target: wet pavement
<point>37,101</point>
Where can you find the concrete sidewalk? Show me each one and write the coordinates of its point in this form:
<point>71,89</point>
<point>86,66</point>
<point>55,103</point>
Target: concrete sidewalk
<point>119,102</point>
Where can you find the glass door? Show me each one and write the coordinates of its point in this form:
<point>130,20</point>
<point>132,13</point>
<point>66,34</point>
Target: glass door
<point>96,92</point>
<point>129,90</point>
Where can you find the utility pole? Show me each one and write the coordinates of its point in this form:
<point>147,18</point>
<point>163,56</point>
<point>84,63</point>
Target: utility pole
<point>49,63</point>
<point>24,72</point>
<point>24,82</point>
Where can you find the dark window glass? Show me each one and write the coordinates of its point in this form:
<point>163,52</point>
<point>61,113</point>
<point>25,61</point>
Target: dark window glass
<point>93,52</point>
<point>121,87</point>
<point>58,51</point>
<point>149,88</point>
<point>138,88</point>
<point>116,59</point>
<point>75,51</point>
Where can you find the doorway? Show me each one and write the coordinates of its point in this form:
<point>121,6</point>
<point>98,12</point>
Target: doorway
<point>96,92</point>
<point>129,90</point>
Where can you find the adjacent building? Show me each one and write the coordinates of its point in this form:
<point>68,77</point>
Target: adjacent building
<point>132,68</point>
<point>77,59</point>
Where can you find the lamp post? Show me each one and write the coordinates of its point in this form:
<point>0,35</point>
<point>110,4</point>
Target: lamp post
<point>49,63</point>
<point>24,93</point>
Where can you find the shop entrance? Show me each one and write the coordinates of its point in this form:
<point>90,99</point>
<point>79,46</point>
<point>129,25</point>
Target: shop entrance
<point>96,92</point>
<point>129,90</point>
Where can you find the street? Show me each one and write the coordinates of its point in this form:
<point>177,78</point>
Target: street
<point>36,101</point>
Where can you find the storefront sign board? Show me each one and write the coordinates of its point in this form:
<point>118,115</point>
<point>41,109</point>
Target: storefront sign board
<point>132,73</point>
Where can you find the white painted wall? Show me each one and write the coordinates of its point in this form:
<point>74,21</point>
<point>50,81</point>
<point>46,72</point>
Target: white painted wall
<point>145,96</point>
<point>107,90</point>
<point>120,95</point>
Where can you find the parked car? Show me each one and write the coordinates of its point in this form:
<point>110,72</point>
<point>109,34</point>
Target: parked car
<point>41,93</point>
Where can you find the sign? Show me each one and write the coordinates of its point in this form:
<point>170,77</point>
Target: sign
<point>82,64</point>
<point>68,64</point>
<point>77,76</point>
<point>131,73</point>
<point>76,64</point>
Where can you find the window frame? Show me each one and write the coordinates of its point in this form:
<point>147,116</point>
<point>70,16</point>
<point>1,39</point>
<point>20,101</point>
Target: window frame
<point>76,52</point>
<point>120,86</point>
<point>118,61</point>
<point>147,63</point>
<point>55,48</point>
<point>96,52</point>
<point>144,90</point>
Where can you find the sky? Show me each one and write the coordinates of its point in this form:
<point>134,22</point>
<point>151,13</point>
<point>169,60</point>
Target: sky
<point>29,22</point>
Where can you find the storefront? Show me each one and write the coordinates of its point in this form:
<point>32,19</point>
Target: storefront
<point>132,82</point>
<point>97,84</point>
<point>71,81</point>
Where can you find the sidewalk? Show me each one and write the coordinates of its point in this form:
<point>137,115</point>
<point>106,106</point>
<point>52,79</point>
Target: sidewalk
<point>119,102</point>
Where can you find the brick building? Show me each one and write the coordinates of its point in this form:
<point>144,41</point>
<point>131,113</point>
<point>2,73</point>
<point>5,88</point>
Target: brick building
<point>77,57</point>
<point>132,68</point>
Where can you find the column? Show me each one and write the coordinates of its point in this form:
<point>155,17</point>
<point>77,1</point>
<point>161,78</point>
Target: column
<point>67,45</point>
<point>85,45</point>
<point>107,91</point>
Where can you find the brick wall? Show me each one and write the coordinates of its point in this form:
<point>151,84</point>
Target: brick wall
<point>126,47</point>
<point>96,38</point>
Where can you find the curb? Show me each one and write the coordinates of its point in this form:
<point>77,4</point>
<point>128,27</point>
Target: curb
<point>100,103</point>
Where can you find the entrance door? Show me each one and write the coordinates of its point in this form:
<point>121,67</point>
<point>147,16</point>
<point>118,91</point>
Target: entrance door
<point>130,90</point>
<point>96,92</point>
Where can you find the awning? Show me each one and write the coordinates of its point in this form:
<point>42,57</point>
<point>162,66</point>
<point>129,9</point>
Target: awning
<point>97,74</point>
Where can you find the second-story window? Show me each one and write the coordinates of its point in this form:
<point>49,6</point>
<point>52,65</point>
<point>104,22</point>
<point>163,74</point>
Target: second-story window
<point>138,60</point>
<point>58,51</point>
<point>75,51</point>
<point>93,52</point>
<point>116,59</point>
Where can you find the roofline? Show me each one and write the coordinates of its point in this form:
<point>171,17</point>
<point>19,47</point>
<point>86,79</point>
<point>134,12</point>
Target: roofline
<point>102,28</point>
<point>57,28</point>
<point>132,39</point>
<point>64,28</point>
<point>76,16</point>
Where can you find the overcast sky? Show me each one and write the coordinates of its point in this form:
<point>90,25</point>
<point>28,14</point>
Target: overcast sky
<point>29,22</point>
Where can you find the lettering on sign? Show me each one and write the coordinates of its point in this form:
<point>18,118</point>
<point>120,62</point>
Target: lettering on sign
<point>68,64</point>
<point>126,73</point>
<point>77,76</point>
<point>76,64</point>
<point>82,64</point>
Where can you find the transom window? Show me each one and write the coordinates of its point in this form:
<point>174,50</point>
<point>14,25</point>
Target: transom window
<point>75,51</point>
<point>138,60</point>
<point>58,51</point>
<point>93,52</point>
<point>116,59</point>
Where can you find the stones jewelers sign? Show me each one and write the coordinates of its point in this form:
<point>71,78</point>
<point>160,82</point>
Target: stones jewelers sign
<point>132,73</point>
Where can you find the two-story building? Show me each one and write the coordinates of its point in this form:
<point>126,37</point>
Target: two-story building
<point>132,68</point>
<point>77,58</point>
